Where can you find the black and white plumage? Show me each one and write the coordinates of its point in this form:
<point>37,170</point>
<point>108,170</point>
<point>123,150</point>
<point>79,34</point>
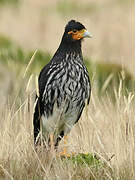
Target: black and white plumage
<point>64,86</point>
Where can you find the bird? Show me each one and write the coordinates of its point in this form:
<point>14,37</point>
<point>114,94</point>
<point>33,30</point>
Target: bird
<point>64,89</point>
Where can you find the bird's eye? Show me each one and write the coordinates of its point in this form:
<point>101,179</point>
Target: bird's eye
<point>74,31</point>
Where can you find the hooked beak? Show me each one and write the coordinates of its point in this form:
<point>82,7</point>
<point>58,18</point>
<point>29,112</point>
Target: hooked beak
<point>87,34</point>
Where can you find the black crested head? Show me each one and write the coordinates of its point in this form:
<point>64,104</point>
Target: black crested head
<point>74,32</point>
<point>74,25</point>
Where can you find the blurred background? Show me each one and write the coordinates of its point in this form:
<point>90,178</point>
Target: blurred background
<point>27,25</point>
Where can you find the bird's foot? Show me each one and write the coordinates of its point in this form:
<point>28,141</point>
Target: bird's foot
<point>73,153</point>
<point>64,154</point>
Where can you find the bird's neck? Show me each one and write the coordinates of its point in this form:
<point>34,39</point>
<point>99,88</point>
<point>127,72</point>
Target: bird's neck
<point>68,47</point>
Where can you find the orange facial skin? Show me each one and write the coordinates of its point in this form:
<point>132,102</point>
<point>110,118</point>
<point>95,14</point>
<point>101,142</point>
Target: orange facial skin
<point>78,34</point>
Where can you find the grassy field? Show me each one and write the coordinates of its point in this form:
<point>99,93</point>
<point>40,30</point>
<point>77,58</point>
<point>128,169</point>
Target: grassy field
<point>105,130</point>
<point>104,138</point>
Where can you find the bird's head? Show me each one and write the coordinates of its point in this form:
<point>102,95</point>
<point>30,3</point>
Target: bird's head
<point>75,31</point>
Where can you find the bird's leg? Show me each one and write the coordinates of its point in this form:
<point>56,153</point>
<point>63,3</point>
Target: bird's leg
<point>65,142</point>
<point>52,142</point>
<point>64,152</point>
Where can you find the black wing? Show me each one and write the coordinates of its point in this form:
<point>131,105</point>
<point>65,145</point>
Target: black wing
<point>39,108</point>
<point>47,90</point>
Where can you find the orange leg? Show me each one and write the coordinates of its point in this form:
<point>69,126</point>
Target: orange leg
<point>64,152</point>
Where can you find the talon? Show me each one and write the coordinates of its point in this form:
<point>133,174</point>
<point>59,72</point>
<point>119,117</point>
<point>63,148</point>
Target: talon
<point>64,154</point>
<point>73,153</point>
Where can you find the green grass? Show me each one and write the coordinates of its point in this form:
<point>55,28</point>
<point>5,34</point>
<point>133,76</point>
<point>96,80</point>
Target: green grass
<point>86,159</point>
<point>13,53</point>
<point>9,2</point>
<point>107,76</point>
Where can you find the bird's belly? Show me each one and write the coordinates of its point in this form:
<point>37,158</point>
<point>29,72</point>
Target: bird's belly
<point>53,123</point>
<point>62,117</point>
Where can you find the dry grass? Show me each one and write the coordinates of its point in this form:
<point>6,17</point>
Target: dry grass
<point>104,129</point>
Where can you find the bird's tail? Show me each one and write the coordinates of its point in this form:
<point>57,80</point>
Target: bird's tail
<point>36,120</point>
